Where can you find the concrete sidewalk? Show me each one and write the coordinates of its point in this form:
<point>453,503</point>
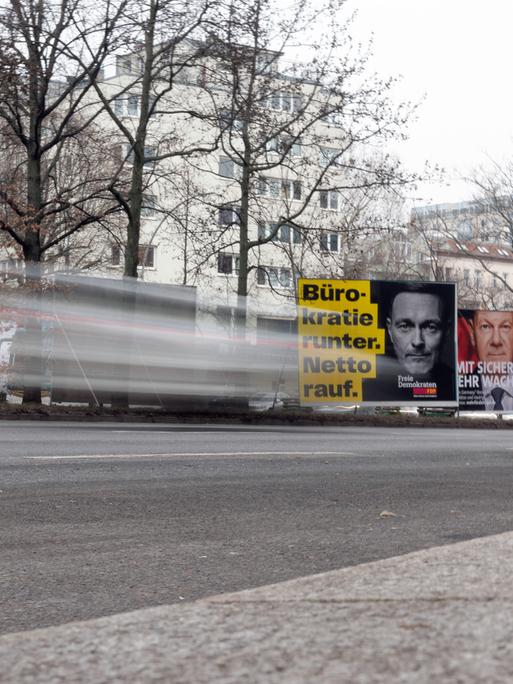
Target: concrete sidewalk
<point>439,615</point>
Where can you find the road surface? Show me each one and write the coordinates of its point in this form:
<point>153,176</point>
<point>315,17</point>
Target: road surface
<point>103,518</point>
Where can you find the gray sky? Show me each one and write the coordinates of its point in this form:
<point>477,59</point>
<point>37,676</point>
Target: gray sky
<point>459,55</point>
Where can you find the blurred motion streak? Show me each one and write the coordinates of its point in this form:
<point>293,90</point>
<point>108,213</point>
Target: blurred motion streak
<point>159,352</point>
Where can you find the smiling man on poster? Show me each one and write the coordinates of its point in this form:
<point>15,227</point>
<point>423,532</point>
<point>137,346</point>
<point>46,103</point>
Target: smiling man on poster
<point>492,335</point>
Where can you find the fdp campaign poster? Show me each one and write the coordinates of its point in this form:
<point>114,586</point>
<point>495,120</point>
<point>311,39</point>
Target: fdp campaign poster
<point>485,360</point>
<point>377,342</point>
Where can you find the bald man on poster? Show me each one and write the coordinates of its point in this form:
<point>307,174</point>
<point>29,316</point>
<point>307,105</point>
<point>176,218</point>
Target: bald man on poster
<point>416,326</point>
<point>419,361</point>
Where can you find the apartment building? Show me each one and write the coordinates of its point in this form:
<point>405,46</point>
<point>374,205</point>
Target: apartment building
<point>296,210</point>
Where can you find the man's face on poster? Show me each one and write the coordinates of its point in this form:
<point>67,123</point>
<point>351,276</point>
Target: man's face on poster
<point>493,335</point>
<point>415,328</point>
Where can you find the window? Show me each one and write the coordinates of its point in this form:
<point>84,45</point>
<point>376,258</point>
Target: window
<point>482,249</point>
<point>280,277</point>
<point>228,264</point>
<point>327,155</point>
<point>12,267</point>
<point>227,168</point>
<point>291,189</point>
<point>284,233</point>
<point>265,230</point>
<point>124,65</point>
<point>129,155</point>
<point>284,101</point>
<point>149,205</point>
<point>274,276</point>
<point>272,187</point>
<point>502,251</point>
<point>115,255</point>
<point>127,105</point>
<point>404,249</point>
<point>149,153</point>
<point>296,149</point>
<point>284,145</point>
<point>466,277</point>
<point>273,145</point>
<point>329,199</point>
<point>334,118</point>
<point>227,122</point>
<point>464,229</point>
<point>264,63</point>
<point>229,216</point>
<point>269,187</point>
<point>477,278</point>
<point>330,242</point>
<point>147,256</point>
<point>119,106</point>
<point>127,64</point>
<point>182,72</point>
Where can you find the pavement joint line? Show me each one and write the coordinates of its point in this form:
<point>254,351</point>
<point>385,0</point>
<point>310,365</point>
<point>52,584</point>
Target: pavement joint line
<point>370,599</point>
<point>199,453</point>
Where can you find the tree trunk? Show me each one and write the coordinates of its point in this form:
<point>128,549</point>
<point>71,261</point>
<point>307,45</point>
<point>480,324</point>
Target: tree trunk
<point>242,283</point>
<point>120,397</point>
<point>32,362</point>
<point>121,373</point>
<point>31,347</point>
<point>242,379</point>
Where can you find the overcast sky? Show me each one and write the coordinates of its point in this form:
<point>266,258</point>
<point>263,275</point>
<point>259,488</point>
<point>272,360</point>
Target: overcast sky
<point>459,55</point>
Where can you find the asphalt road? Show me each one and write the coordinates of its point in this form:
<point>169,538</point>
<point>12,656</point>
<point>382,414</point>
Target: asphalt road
<point>103,518</point>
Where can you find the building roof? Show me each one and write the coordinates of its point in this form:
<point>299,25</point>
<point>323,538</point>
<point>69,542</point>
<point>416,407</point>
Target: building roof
<point>473,249</point>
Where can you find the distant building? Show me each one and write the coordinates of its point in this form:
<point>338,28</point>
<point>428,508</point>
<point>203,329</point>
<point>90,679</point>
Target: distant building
<point>469,243</point>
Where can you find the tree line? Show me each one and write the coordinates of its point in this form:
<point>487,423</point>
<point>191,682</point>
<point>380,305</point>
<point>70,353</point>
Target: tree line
<point>281,113</point>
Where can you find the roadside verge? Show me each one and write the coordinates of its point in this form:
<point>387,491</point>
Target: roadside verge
<point>276,417</point>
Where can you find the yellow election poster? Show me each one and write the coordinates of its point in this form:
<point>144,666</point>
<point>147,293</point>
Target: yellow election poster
<point>376,342</point>
<point>339,339</point>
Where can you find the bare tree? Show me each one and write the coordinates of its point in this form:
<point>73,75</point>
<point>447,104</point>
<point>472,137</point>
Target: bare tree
<point>295,141</point>
<point>153,128</point>
<point>164,44</point>
<point>42,113</point>
<point>50,53</point>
